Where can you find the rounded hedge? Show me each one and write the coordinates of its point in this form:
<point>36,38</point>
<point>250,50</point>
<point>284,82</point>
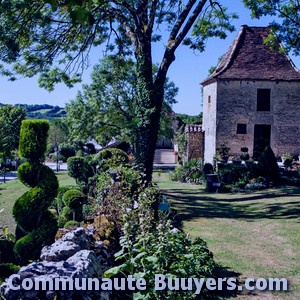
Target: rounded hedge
<point>73,198</point>
<point>118,155</point>
<point>33,139</point>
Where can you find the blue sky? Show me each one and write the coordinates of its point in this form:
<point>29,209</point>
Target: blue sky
<point>187,71</point>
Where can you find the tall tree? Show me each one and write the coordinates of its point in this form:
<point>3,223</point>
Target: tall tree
<point>58,132</point>
<point>104,110</point>
<point>39,34</point>
<point>286,26</point>
<point>11,118</point>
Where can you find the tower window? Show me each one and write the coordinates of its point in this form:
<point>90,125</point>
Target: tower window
<point>241,129</point>
<point>263,99</point>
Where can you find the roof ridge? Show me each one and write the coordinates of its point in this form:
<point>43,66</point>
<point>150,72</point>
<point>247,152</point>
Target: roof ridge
<point>236,43</point>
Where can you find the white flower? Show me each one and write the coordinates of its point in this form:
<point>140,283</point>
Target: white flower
<point>174,230</point>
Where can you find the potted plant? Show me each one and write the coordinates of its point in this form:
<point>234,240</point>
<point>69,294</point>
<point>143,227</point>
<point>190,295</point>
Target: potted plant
<point>236,160</point>
<point>287,160</point>
<point>223,152</point>
<point>244,155</point>
<point>286,156</point>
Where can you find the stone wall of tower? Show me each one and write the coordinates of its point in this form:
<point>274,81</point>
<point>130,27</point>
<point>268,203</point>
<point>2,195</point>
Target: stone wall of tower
<point>209,125</point>
<point>237,104</point>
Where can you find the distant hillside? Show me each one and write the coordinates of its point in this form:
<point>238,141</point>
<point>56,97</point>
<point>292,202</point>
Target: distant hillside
<point>42,111</point>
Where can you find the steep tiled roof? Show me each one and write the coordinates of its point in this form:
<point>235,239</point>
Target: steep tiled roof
<point>249,58</point>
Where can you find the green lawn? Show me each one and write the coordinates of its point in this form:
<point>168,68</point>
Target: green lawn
<point>253,235</point>
<point>12,190</point>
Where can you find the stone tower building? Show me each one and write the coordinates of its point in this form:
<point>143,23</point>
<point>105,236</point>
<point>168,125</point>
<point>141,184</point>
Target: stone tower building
<point>252,99</point>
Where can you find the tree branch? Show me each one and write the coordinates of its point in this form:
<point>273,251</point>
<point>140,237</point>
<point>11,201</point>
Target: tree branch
<point>153,9</point>
<point>181,19</point>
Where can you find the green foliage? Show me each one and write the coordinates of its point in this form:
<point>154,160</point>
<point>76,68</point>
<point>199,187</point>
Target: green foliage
<point>40,111</point>
<point>244,156</point>
<point>58,134</point>
<point>184,119</point>
<point>73,198</point>
<point>105,109</point>
<point>223,150</point>
<point>73,201</point>
<point>35,36</point>
<point>29,247</point>
<point>182,140</point>
<point>267,164</point>
<point>36,225</point>
<point>11,118</point>
<point>78,168</point>
<point>231,174</point>
<point>33,139</point>
<point>113,156</point>
<point>284,29</point>
<point>7,269</point>
<point>171,252</point>
<point>71,224</point>
<point>66,151</point>
<point>58,203</point>
<point>190,172</point>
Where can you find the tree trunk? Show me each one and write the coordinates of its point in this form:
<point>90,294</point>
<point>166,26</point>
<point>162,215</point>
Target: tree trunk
<point>147,134</point>
<point>147,109</point>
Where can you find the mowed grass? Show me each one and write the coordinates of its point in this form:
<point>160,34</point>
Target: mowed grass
<point>252,234</point>
<point>12,190</point>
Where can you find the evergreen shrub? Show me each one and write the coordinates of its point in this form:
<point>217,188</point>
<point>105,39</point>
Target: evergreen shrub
<point>36,225</point>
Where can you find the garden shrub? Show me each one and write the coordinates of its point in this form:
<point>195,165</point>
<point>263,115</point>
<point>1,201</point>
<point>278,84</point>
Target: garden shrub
<point>79,169</point>
<point>73,201</point>
<point>57,203</point>
<point>66,151</point>
<point>73,198</point>
<point>36,224</point>
<point>171,252</point>
<point>230,173</point>
<point>190,172</point>
<point>114,156</point>
<point>267,164</point>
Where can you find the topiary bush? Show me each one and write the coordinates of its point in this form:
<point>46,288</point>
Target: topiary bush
<point>36,225</point>
<point>267,164</point>
<point>73,201</point>
<point>114,155</point>
<point>79,169</point>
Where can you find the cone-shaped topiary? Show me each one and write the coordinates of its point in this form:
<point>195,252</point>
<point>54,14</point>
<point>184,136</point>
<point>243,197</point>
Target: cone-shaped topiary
<point>267,164</point>
<point>35,223</point>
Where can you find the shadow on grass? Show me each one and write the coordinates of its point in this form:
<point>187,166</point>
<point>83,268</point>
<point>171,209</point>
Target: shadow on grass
<point>225,273</point>
<point>191,205</point>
